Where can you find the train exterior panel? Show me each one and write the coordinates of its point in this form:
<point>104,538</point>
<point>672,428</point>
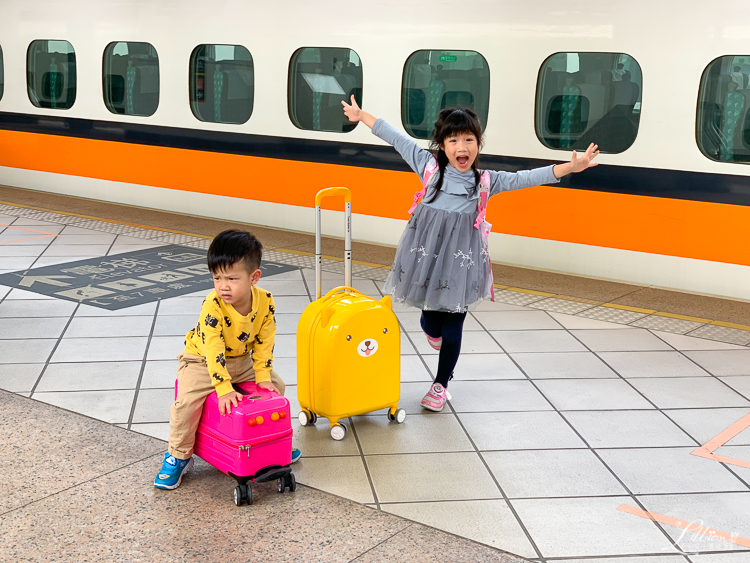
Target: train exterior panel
<point>659,212</point>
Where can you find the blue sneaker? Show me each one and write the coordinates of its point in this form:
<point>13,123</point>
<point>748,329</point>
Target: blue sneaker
<point>172,471</point>
<point>296,454</point>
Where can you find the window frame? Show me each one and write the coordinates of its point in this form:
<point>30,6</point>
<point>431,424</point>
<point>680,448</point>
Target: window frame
<point>29,81</point>
<point>112,45</point>
<point>536,98</point>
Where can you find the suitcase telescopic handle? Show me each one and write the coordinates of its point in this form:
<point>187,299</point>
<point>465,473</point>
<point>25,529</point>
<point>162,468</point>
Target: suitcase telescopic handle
<point>348,243</point>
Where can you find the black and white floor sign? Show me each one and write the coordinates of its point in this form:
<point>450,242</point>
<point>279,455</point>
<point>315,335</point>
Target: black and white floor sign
<point>125,280</point>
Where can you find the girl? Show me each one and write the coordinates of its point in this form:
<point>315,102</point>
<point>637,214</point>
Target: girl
<point>442,263</point>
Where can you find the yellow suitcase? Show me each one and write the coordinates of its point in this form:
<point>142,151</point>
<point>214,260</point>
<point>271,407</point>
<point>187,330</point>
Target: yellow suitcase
<point>348,347</point>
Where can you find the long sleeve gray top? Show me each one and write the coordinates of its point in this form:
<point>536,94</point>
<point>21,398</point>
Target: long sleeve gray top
<point>456,192</point>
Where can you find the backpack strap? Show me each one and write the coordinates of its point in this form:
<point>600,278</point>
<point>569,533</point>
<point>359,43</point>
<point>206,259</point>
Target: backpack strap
<point>429,172</point>
<point>484,193</point>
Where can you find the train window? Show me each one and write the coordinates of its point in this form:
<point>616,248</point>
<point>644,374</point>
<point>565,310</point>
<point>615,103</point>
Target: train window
<point>319,79</point>
<point>2,74</point>
<point>130,78</point>
<point>51,74</point>
<point>723,120</point>
<point>589,97</point>
<point>434,80</point>
<point>221,83</point>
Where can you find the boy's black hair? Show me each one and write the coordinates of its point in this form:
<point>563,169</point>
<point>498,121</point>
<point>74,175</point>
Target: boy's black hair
<point>232,246</point>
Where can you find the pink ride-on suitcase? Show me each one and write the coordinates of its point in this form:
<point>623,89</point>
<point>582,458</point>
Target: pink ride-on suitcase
<point>253,443</point>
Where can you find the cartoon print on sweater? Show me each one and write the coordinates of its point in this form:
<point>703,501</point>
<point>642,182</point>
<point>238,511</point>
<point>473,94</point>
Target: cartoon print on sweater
<point>272,309</point>
<point>244,337</point>
<point>227,321</point>
<point>269,363</point>
<point>216,300</point>
<point>253,319</point>
<point>220,359</point>
<point>258,340</point>
<point>213,322</point>
<point>228,349</point>
<point>217,377</point>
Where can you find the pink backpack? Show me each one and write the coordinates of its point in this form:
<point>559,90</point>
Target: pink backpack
<point>481,222</point>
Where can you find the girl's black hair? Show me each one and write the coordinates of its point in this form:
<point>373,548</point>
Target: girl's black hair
<point>449,123</point>
<point>232,246</point>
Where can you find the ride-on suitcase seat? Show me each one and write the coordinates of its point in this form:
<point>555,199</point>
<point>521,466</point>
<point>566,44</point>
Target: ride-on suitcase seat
<point>252,443</point>
<point>348,347</point>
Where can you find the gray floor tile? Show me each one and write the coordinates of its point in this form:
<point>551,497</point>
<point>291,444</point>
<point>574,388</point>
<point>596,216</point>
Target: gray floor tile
<point>316,441</point>
<point>123,248</point>
<point>291,303</point>
<point>286,323</point>
<point>592,394</point>
<point>413,369</point>
<point>563,365</point>
<point>153,405</point>
<point>20,238</point>
<point>16,293</point>
<point>427,477</point>
<point>420,433</point>
<point>135,311</point>
<point>628,429</point>
<point>728,513</point>
<point>38,225</point>
<point>624,340</point>
<point>591,527</point>
<point>21,250</point>
<point>120,327</point>
<point>165,347</point>
<point>183,305</point>
<point>31,328</point>
<point>159,374</point>
<point>573,322</point>
<point>677,558</point>
<point>519,431</point>
<point>488,305</point>
<point>26,351</point>
<point>481,366</point>
<point>689,392</point>
<point>705,424</point>
<point>55,260</point>
<point>491,396</point>
<point>474,342</point>
<point>412,393</point>
<point>19,378</point>
<point>407,348</point>
<point>287,369</point>
<point>537,341</point>
<point>681,342</point>
<point>76,251</point>
<point>89,376</point>
<point>343,476</point>
<point>719,362</point>
<point>174,325</point>
<point>285,346</point>
<point>18,262</point>
<point>70,230</point>
<point>726,557</point>
<point>283,287</point>
<point>100,349</point>
<point>740,383</point>
<point>37,308</point>
<point>109,406</point>
<point>552,473</point>
<point>669,470</point>
<point>87,239</point>
<point>490,522</point>
<point>652,364</point>
<point>517,320</point>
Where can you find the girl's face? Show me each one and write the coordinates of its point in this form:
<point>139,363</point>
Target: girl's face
<point>461,150</point>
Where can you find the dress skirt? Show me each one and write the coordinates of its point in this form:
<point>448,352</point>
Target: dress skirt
<point>442,263</point>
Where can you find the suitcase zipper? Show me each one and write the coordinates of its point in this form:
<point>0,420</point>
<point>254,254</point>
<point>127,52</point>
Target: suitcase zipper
<point>240,448</point>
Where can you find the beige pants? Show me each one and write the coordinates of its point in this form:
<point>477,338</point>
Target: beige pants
<point>193,386</point>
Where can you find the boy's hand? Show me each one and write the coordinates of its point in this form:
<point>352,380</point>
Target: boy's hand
<point>268,386</point>
<point>227,401</point>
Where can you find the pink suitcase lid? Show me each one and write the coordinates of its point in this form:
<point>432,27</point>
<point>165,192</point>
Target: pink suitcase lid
<point>259,406</point>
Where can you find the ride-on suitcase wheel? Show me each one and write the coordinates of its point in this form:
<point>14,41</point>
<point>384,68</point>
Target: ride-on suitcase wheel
<point>338,431</point>
<point>399,416</point>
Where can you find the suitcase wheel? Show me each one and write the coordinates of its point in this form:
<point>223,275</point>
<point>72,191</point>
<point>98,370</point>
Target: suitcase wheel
<point>243,493</point>
<point>399,416</point>
<point>287,481</point>
<point>338,431</point>
<point>307,418</point>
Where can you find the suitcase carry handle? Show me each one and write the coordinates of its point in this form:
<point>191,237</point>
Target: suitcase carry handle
<point>348,242</point>
<point>336,290</point>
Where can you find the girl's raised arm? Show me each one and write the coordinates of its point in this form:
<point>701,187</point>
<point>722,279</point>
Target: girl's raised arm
<point>354,113</point>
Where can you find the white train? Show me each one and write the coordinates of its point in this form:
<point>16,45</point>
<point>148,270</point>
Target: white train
<point>232,109</point>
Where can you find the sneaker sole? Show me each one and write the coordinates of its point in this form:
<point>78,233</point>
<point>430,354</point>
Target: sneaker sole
<point>431,408</point>
<point>177,484</point>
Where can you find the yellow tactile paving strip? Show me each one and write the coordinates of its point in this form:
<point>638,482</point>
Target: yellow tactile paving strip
<point>597,310</point>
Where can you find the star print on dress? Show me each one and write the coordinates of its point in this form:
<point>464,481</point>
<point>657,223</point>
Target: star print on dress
<point>440,285</point>
<point>421,251</point>
<point>465,258</point>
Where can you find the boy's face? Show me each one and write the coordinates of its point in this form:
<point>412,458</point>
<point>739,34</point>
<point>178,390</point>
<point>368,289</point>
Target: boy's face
<point>234,284</point>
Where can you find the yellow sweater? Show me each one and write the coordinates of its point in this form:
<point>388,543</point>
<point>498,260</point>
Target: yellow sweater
<point>222,332</point>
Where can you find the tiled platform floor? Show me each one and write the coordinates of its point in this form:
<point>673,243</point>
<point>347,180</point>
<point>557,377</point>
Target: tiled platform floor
<point>557,420</point>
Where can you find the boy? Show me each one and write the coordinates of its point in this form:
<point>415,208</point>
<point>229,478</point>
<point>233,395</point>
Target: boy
<point>237,318</point>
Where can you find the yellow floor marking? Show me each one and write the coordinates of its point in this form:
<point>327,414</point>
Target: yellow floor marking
<point>683,317</point>
<point>627,308</point>
<point>730,325</point>
<point>531,291</point>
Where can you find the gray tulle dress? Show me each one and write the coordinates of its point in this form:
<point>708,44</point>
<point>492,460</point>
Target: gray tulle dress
<point>442,262</point>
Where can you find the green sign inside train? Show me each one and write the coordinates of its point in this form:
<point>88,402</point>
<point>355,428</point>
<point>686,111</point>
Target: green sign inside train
<point>448,58</point>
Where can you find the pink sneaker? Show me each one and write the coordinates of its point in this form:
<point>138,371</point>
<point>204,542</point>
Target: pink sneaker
<point>435,398</point>
<point>434,342</point>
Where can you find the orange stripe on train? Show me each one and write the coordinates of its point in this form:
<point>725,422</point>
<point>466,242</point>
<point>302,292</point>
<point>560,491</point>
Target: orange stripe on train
<point>690,229</point>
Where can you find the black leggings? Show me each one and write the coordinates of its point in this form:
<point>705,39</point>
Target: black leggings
<point>449,327</point>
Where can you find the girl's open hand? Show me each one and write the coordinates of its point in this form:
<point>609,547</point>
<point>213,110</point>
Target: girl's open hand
<point>586,161</point>
<point>352,111</point>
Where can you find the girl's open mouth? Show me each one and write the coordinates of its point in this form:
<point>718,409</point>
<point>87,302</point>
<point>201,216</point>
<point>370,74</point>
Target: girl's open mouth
<point>463,161</point>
